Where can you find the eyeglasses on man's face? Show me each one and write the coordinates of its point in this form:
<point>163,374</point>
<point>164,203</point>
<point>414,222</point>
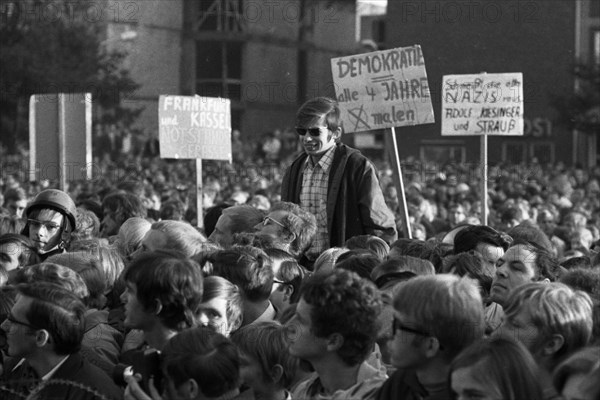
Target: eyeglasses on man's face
<point>49,225</point>
<point>315,132</point>
<point>267,220</point>
<point>398,326</point>
<point>13,321</point>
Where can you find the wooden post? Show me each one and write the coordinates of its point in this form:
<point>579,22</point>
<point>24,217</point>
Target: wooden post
<point>484,176</point>
<point>199,194</point>
<point>399,182</point>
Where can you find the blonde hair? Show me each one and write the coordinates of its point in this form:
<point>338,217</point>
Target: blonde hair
<point>446,307</point>
<point>555,308</point>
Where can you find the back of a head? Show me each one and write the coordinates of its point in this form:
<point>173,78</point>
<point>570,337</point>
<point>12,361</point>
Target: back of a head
<point>505,365</point>
<point>28,254</point>
<point>446,306</point>
<point>90,270</point>
<point>361,263</point>
<point>243,217</point>
<point>180,236</point>
<point>375,244</point>
<point>88,225</point>
<point>555,309</point>
<point>470,264</point>
<point>175,282</point>
<point>124,205</point>
<point>247,267</point>
<point>212,216</point>
<point>468,238</point>
<point>531,234</point>
<point>208,357</point>
<point>55,274</point>
<point>344,303</point>
<point>131,234</point>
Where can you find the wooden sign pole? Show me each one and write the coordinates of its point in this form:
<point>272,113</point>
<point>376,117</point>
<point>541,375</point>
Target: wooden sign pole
<point>199,194</point>
<point>399,182</point>
<point>484,176</point>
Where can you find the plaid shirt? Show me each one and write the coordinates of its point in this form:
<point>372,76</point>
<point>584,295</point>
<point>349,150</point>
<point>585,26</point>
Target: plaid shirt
<point>313,197</point>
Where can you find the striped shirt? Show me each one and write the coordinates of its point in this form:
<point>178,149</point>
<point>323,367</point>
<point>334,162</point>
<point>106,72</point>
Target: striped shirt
<point>313,197</point>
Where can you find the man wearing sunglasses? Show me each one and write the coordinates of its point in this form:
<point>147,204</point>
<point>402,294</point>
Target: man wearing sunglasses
<point>334,182</point>
<point>51,219</point>
<point>435,317</point>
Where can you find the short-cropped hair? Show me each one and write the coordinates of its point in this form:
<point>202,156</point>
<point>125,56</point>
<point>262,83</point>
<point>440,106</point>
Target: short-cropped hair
<point>180,235</point>
<point>59,312</point>
<point>267,343</point>
<point>174,281</point>
<point>130,236</point>
<point>360,261</point>
<point>245,266</point>
<point>55,274</point>
<point>243,217</point>
<point>206,356</point>
<point>446,306</point>
<point>344,303</point>
<point>555,309</point>
<point>504,364</point>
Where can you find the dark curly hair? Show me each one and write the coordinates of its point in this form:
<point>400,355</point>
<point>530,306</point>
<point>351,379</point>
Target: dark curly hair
<point>344,303</point>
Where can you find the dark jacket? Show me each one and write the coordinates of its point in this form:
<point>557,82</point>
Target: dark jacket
<point>355,203</point>
<point>76,379</point>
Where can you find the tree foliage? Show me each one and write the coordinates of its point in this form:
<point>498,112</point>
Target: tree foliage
<point>50,47</point>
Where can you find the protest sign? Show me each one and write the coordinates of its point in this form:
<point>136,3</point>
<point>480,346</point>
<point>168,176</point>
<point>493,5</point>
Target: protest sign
<point>194,127</point>
<point>482,104</point>
<point>382,89</point>
<point>60,131</point>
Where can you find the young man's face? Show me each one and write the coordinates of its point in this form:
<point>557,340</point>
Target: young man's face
<point>213,313</point>
<point>9,256</point>
<point>520,326</point>
<point>317,145</point>
<point>110,223</point>
<point>223,233</point>
<point>405,351</point>
<point>20,336</point>
<point>136,316</point>
<point>16,207</point>
<point>303,343</point>
<point>45,229</point>
<point>516,267</point>
<point>252,375</point>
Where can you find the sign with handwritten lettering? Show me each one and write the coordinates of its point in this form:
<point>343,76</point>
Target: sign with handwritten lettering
<point>481,104</point>
<point>382,89</point>
<point>194,127</point>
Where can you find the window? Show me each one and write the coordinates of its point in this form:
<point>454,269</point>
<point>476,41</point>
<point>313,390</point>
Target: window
<point>514,152</point>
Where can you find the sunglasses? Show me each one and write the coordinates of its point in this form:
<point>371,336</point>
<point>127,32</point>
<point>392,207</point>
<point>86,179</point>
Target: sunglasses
<point>398,326</point>
<point>50,226</point>
<point>15,321</point>
<point>315,132</point>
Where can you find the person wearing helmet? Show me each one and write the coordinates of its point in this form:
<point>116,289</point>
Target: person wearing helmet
<point>50,222</point>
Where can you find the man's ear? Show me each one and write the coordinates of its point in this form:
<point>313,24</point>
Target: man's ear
<point>431,346</point>
<point>337,134</point>
<point>42,338</point>
<point>276,373</point>
<point>334,342</point>
<point>189,389</point>
<point>157,307</point>
<point>553,345</point>
<point>288,291</point>
<point>289,236</point>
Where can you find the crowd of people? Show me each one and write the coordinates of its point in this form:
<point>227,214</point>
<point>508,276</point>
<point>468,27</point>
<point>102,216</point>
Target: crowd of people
<point>300,283</point>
